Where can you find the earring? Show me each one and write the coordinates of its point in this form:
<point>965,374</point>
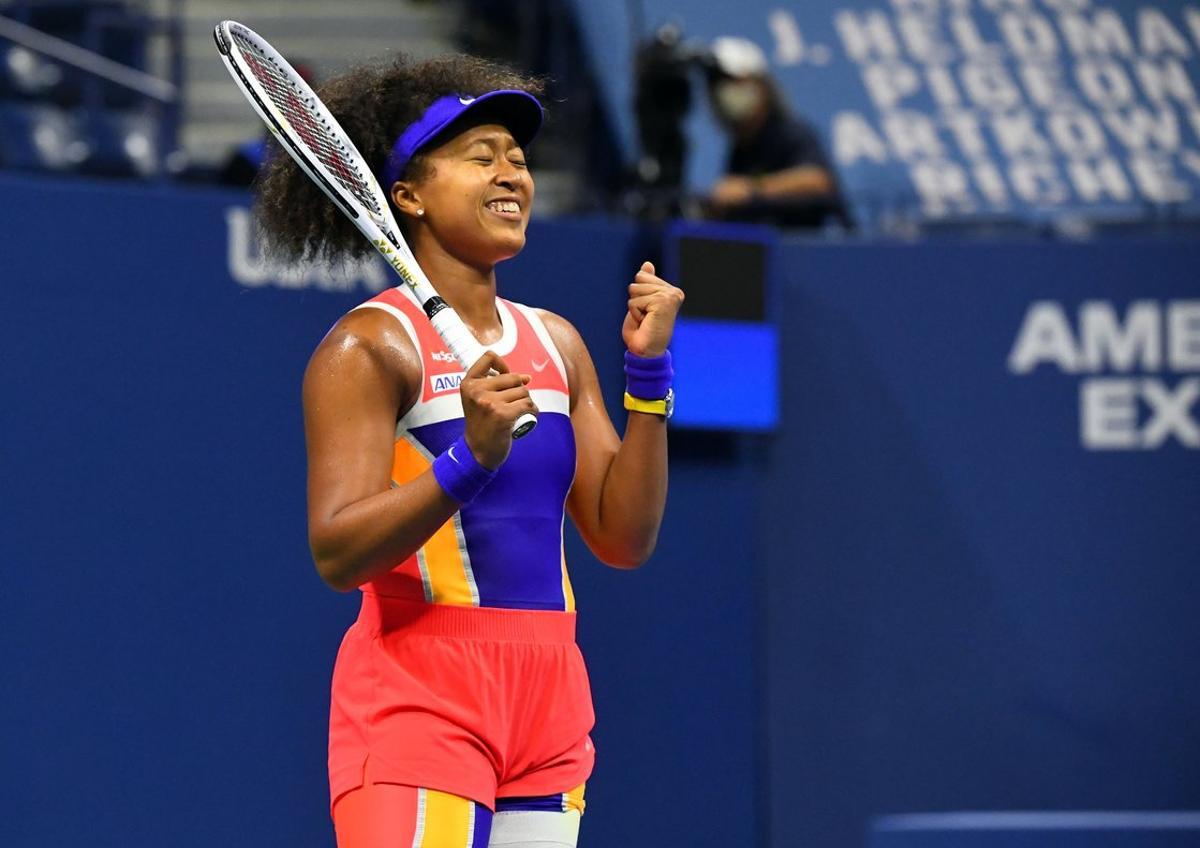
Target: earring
<point>420,212</point>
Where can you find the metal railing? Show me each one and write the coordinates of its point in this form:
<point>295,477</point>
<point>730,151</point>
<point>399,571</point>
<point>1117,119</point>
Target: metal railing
<point>164,94</point>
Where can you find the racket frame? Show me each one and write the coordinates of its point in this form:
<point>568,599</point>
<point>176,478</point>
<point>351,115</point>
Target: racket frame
<point>380,227</point>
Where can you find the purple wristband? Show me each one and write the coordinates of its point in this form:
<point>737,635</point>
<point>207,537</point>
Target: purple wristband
<point>648,377</point>
<point>460,474</point>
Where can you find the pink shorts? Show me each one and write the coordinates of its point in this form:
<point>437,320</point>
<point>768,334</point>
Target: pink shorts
<point>479,702</point>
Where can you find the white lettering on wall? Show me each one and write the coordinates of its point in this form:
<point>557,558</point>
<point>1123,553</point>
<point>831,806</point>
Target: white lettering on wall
<point>1055,103</point>
<point>1136,409</point>
<point>250,267</point>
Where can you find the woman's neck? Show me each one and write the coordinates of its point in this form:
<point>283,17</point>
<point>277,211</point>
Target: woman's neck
<point>470,291</point>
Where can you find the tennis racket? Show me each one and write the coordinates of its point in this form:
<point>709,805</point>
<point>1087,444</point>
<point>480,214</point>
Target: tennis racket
<point>313,137</point>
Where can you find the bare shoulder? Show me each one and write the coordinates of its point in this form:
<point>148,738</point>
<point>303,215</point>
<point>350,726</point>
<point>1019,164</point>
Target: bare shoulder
<point>581,373</point>
<point>368,334</point>
<point>570,344</point>
<point>366,346</point>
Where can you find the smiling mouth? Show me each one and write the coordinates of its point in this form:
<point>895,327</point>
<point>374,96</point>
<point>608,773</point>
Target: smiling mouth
<point>504,207</point>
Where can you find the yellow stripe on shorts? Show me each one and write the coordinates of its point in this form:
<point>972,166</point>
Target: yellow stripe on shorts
<point>443,820</point>
<point>573,800</point>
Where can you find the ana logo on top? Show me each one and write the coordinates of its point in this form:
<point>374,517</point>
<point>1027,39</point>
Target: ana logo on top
<point>442,383</point>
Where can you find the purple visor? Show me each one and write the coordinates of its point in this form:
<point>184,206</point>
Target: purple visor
<point>517,110</point>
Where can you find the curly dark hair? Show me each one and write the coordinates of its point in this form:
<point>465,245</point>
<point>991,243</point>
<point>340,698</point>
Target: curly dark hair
<point>373,103</point>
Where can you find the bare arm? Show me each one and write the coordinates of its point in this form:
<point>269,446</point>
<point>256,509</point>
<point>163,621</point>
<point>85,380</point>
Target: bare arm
<point>799,182</point>
<point>361,377</point>
<point>620,488</point>
<point>803,182</point>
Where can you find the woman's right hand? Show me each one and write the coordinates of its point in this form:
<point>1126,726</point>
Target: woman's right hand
<point>492,403</point>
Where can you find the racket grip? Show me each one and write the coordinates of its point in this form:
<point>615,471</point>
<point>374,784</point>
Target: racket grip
<point>457,337</point>
<point>467,351</point>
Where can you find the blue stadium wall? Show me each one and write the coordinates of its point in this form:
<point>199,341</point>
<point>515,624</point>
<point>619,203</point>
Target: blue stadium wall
<point>962,575</point>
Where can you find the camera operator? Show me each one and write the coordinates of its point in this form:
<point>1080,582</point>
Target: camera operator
<point>777,172</point>
<point>663,97</point>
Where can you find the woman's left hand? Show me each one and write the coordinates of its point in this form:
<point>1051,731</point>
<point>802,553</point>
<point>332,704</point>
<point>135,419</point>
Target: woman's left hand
<point>653,305</point>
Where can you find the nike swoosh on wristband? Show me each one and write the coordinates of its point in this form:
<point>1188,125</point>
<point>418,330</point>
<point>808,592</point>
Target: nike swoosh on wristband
<point>452,456</point>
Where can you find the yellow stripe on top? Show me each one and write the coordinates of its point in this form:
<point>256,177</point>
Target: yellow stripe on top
<point>449,821</point>
<point>568,592</point>
<point>443,560</point>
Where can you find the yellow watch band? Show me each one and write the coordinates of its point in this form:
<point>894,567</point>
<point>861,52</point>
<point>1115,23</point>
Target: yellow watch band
<point>654,407</point>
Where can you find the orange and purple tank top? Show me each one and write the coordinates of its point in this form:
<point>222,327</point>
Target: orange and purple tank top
<point>505,548</point>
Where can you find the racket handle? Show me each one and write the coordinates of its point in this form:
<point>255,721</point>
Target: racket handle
<point>467,351</point>
<point>457,337</point>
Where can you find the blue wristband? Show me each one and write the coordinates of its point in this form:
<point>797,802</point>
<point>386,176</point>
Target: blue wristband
<point>460,474</point>
<point>648,377</point>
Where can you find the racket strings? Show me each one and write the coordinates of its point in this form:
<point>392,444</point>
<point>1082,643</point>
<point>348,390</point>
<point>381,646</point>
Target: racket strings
<point>307,122</point>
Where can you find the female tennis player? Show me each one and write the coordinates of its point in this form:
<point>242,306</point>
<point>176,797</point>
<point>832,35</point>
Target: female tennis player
<point>460,706</point>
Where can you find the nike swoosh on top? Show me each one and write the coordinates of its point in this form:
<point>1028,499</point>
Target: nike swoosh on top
<point>541,366</point>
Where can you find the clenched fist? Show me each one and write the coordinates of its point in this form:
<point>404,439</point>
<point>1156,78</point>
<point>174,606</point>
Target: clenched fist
<point>653,305</point>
